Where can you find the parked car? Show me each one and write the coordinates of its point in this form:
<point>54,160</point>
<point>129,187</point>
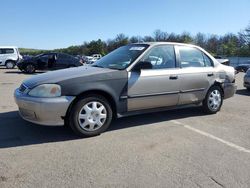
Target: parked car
<point>97,56</point>
<point>92,60</point>
<point>87,59</point>
<point>9,56</point>
<point>48,61</point>
<point>242,67</point>
<point>247,80</point>
<point>132,79</point>
<point>222,60</point>
<point>80,58</point>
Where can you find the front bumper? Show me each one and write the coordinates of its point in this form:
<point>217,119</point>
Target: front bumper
<point>229,89</point>
<point>43,111</point>
<point>246,82</point>
<point>19,66</point>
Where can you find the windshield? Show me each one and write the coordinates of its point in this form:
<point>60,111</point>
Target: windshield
<point>122,57</point>
<point>39,55</point>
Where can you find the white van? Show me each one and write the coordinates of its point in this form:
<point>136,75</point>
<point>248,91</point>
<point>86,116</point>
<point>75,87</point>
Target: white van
<point>9,56</point>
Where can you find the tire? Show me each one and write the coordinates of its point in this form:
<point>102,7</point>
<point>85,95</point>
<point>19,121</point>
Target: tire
<point>30,69</point>
<point>213,101</point>
<point>10,64</point>
<point>248,88</point>
<point>90,116</point>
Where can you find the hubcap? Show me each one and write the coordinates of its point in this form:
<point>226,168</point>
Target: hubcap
<point>214,100</point>
<point>92,116</point>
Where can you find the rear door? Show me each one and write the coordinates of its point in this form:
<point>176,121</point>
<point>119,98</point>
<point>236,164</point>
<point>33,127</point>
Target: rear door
<point>63,61</point>
<point>156,87</point>
<point>196,75</point>
<point>1,57</point>
<point>6,54</point>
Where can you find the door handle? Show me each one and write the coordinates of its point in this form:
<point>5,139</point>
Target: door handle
<point>210,74</point>
<point>173,77</point>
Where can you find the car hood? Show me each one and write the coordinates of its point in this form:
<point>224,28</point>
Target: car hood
<point>29,58</point>
<point>65,74</point>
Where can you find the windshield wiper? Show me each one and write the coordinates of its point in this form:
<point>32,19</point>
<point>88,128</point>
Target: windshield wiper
<point>114,68</point>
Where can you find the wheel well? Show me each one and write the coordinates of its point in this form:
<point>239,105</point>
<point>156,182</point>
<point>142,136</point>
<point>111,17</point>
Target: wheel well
<point>9,60</point>
<point>30,63</point>
<point>104,94</point>
<point>219,85</point>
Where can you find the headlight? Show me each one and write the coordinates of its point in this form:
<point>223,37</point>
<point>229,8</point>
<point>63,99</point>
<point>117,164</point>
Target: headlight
<point>46,90</point>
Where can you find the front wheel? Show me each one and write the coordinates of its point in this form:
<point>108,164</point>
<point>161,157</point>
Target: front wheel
<point>90,116</point>
<point>213,101</point>
<point>30,69</point>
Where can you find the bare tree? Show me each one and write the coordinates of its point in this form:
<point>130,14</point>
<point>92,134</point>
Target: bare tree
<point>160,35</point>
<point>200,40</point>
<point>245,36</point>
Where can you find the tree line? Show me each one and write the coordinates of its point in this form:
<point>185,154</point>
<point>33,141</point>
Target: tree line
<point>226,45</point>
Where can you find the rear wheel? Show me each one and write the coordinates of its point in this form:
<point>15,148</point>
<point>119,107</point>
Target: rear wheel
<point>213,101</point>
<point>10,65</point>
<point>30,69</point>
<point>90,116</point>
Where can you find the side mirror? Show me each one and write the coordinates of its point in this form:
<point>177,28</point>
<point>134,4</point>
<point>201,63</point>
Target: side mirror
<point>142,65</point>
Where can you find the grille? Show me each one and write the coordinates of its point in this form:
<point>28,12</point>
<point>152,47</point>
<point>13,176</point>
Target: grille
<point>22,88</point>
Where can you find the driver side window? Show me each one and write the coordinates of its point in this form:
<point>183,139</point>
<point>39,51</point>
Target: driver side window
<point>161,57</point>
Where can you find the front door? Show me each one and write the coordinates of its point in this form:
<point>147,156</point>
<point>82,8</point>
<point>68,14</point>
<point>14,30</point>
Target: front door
<point>157,86</point>
<point>63,61</point>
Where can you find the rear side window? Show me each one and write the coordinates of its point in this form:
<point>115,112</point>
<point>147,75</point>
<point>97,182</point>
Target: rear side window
<point>6,51</point>
<point>9,51</point>
<point>65,59</point>
<point>192,57</point>
<point>65,56</point>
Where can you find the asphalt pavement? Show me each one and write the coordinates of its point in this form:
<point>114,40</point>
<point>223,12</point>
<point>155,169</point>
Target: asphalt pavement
<point>178,148</point>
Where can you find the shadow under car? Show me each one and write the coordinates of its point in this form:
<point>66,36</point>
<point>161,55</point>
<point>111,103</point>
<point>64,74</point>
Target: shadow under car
<point>14,131</point>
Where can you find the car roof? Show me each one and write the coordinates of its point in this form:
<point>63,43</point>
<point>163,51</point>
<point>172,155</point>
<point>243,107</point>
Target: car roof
<point>151,44</point>
<point>8,47</point>
<point>173,43</point>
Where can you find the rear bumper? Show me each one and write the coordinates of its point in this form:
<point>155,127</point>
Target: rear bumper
<point>43,111</point>
<point>229,89</point>
<point>246,82</point>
